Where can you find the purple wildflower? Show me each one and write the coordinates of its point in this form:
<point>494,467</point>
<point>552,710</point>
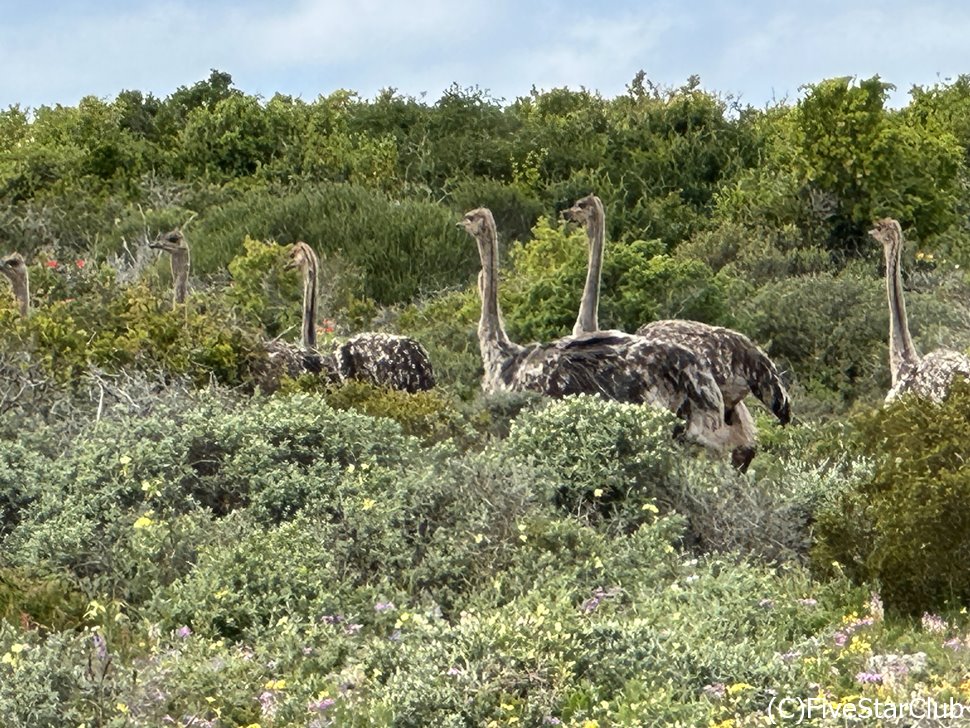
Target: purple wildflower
<point>954,644</point>
<point>183,631</point>
<point>321,706</point>
<point>551,720</point>
<point>453,671</point>
<point>864,678</point>
<point>352,629</point>
<point>875,607</point>
<point>933,623</point>
<point>715,690</point>
<point>790,655</point>
<point>840,638</point>
<point>100,646</point>
<point>267,703</point>
<point>599,594</point>
<point>308,651</point>
<point>384,606</point>
<point>808,602</point>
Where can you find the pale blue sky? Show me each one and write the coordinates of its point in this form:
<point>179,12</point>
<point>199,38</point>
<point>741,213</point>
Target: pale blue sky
<point>59,51</point>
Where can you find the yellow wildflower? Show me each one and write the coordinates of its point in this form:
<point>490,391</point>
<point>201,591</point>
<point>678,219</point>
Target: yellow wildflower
<point>738,687</point>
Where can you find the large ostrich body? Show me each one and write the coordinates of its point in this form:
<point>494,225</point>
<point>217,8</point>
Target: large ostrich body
<point>384,360</point>
<point>929,376</point>
<point>609,364</point>
<point>739,367</point>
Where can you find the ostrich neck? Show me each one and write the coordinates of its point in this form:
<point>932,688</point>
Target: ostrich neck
<point>902,353</point>
<point>493,340</point>
<point>310,306</point>
<point>588,319</point>
<point>180,275</point>
<point>21,291</point>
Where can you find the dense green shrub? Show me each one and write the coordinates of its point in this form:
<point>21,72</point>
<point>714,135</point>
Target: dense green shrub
<point>906,526</point>
<point>598,458</point>
<point>401,247</point>
<point>541,291</point>
<point>102,324</point>
<point>138,486</point>
<point>430,416</point>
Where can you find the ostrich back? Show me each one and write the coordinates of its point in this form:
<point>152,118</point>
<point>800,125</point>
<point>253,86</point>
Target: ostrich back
<point>738,365</point>
<point>932,376</point>
<point>385,360</point>
<point>623,368</point>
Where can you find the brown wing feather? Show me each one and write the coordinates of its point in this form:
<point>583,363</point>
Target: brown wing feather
<point>385,360</point>
<point>738,365</point>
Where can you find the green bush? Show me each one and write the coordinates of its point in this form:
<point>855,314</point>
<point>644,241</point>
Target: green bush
<point>401,247</point>
<point>598,459</point>
<point>85,319</point>
<point>906,526</point>
<point>540,294</point>
<point>130,502</point>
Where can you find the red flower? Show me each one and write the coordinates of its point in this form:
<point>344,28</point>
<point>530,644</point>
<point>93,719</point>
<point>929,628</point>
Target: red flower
<point>79,262</point>
<point>52,264</point>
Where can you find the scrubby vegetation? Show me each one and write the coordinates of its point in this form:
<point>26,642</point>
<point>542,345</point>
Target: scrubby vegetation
<point>189,537</point>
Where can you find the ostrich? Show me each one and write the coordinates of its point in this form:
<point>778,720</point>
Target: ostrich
<point>15,269</point>
<point>610,364</point>
<point>175,244</point>
<point>929,376</point>
<point>384,360</point>
<point>738,365</point>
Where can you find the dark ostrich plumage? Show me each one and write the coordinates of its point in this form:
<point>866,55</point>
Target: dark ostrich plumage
<point>384,360</point>
<point>737,365</point>
<point>610,364</point>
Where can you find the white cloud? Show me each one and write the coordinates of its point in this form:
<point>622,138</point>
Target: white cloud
<point>307,47</point>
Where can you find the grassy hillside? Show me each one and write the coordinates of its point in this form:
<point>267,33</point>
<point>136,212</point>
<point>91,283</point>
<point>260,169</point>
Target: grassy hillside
<point>190,537</point>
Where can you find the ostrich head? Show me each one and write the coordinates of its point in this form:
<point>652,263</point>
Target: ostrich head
<point>14,268</point>
<point>887,231</point>
<point>476,221</point>
<point>583,210</point>
<point>171,242</point>
<point>480,224</point>
<point>301,257</point>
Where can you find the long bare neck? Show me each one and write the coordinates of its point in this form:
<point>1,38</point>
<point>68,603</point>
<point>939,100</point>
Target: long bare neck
<point>180,274</point>
<point>491,331</point>
<point>310,304</point>
<point>588,319</point>
<point>902,353</point>
<point>21,292</point>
